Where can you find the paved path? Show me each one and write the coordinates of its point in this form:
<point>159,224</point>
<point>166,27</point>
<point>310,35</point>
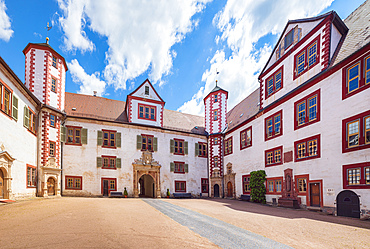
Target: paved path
<point>219,232</point>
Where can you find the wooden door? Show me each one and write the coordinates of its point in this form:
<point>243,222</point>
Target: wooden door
<point>1,185</point>
<point>216,191</point>
<point>348,204</point>
<point>51,186</point>
<point>229,189</point>
<point>105,187</point>
<point>315,194</point>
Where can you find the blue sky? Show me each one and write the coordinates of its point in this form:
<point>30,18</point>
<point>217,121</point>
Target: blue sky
<point>113,46</point>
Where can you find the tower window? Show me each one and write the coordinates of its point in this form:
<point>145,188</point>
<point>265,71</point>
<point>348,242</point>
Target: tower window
<point>216,99</point>
<point>146,90</point>
<point>53,85</point>
<point>55,62</point>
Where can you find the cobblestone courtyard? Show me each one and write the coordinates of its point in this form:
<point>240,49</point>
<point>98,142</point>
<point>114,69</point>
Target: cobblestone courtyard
<point>172,223</point>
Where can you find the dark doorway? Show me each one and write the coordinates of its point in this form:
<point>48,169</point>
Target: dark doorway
<point>146,186</point>
<point>229,189</point>
<point>315,194</point>
<point>51,186</point>
<point>105,188</point>
<point>1,184</point>
<point>216,190</point>
<point>348,204</point>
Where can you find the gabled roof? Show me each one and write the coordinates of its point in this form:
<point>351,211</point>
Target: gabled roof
<point>358,23</point>
<point>47,47</point>
<point>216,89</point>
<point>336,21</point>
<point>132,93</point>
<point>6,155</point>
<point>99,108</point>
<point>244,110</point>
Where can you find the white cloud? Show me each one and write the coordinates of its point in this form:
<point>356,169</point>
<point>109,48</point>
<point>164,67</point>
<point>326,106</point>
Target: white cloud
<point>139,34</point>
<point>242,24</point>
<point>5,26</point>
<point>88,83</point>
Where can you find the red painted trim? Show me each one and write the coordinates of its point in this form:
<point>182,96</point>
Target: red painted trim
<point>150,107</point>
<point>115,139</point>
<point>273,156</point>
<point>115,166</point>
<point>362,167</point>
<point>109,189</point>
<point>245,177</point>
<point>308,200</point>
<point>211,94</point>
<point>245,130</point>
<point>274,179</point>
<point>296,177</point>
<point>45,48</point>
<point>33,167</point>
<point>206,153</point>
<point>296,46</point>
<point>305,49</point>
<point>73,188</point>
<point>146,100</point>
<point>273,125</point>
<point>226,141</point>
<point>178,147</point>
<point>204,184</point>
<point>362,145</point>
<point>150,85</point>
<point>74,134</point>
<point>181,191</point>
<point>362,76</point>
<point>274,83</point>
<point>8,89</point>
<point>179,172</point>
<point>147,136</point>
<point>318,107</point>
<point>306,140</point>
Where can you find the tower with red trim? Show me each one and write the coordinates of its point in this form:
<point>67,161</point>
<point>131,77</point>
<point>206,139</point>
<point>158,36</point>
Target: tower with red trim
<point>45,71</point>
<point>215,104</point>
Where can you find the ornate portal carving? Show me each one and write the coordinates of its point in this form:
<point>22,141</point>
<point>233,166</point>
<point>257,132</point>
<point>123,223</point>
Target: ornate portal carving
<point>146,165</point>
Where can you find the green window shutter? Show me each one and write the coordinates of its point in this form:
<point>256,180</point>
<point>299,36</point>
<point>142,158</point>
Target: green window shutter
<point>15,108</point>
<point>186,147</point>
<point>172,146</point>
<point>99,162</point>
<point>26,119</point>
<point>186,168</point>
<point>139,141</point>
<point>84,136</point>
<point>118,139</point>
<point>63,132</point>
<point>155,144</point>
<point>196,149</point>
<point>118,163</point>
<point>100,138</point>
<point>172,167</point>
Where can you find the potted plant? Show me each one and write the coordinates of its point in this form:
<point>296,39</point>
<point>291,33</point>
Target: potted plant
<point>125,193</point>
<point>168,193</point>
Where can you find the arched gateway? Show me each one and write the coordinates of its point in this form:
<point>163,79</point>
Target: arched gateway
<point>146,176</point>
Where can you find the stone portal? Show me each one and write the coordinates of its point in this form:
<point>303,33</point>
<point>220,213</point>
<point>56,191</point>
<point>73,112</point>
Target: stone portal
<point>289,196</point>
<point>143,168</point>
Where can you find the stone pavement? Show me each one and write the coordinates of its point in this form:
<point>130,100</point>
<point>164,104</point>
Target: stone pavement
<point>171,223</point>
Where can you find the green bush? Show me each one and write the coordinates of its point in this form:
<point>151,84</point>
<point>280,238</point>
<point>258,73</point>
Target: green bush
<point>257,185</point>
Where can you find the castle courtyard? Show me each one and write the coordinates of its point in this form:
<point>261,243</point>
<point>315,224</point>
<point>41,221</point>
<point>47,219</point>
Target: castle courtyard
<point>172,223</point>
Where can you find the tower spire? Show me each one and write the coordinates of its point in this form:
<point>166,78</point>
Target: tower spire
<point>217,72</point>
<point>47,32</point>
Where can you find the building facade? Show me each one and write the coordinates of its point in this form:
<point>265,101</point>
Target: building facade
<point>307,126</point>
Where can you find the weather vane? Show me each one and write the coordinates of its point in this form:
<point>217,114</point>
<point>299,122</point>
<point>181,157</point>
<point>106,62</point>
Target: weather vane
<point>217,72</point>
<point>47,32</point>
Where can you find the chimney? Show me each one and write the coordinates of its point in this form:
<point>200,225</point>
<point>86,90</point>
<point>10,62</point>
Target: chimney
<point>95,93</point>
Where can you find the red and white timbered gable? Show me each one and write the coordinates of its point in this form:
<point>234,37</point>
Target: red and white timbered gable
<point>145,106</point>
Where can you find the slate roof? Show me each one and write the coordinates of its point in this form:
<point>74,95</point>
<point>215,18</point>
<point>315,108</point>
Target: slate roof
<point>358,35</point>
<point>244,110</point>
<point>87,106</point>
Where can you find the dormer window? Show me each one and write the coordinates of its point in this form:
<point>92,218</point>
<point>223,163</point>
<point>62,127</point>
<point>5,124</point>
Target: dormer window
<point>55,62</point>
<point>146,90</point>
<point>216,99</point>
<point>288,40</point>
<point>147,112</point>
<point>307,58</point>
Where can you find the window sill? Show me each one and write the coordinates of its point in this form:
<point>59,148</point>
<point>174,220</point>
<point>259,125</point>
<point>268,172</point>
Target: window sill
<point>73,144</point>
<point>109,147</point>
<point>108,168</point>
<point>306,158</point>
<point>357,186</point>
<point>31,186</point>
<point>273,164</point>
<point>359,147</point>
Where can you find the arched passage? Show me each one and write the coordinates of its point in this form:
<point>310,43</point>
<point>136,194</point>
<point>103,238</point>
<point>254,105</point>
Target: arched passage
<point>146,186</point>
<point>348,204</point>
<point>51,186</point>
<point>216,190</point>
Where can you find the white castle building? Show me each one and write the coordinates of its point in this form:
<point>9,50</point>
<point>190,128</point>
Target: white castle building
<point>307,126</point>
